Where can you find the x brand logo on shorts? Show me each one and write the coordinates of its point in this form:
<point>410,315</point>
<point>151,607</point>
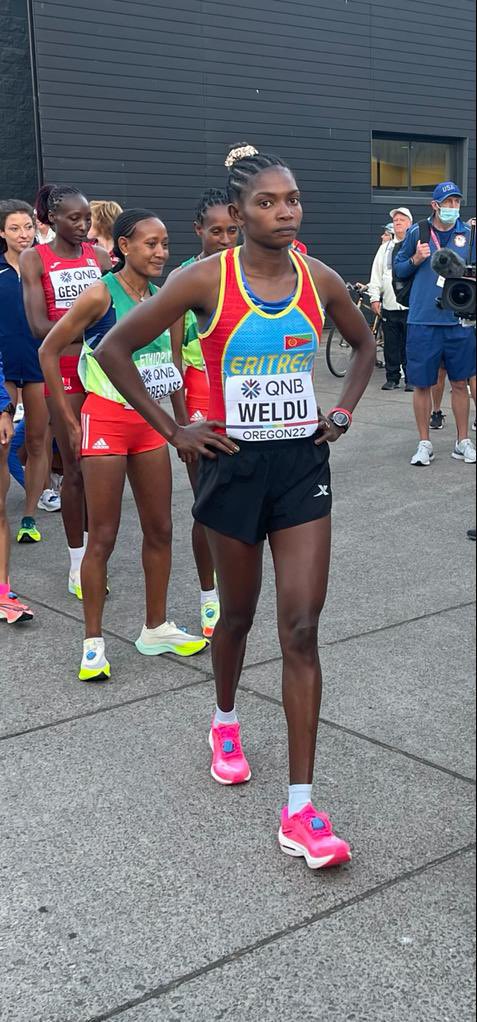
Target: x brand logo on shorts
<point>323,491</point>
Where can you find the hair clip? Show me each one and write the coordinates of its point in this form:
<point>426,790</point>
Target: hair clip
<point>240,154</point>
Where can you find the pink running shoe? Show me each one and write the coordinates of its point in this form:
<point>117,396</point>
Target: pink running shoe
<point>229,765</point>
<point>12,611</point>
<point>310,834</point>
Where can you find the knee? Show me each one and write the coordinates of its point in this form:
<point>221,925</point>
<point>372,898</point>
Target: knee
<point>101,543</point>
<point>299,638</point>
<point>160,535</point>
<point>237,623</point>
<point>72,474</point>
<point>35,445</point>
<point>458,386</point>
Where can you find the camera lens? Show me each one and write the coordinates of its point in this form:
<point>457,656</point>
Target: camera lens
<point>461,294</point>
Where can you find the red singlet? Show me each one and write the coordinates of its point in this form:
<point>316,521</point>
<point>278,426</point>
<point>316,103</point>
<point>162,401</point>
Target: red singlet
<point>64,279</point>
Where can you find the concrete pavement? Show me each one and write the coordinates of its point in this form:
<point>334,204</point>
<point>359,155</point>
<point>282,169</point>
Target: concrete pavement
<point>133,888</point>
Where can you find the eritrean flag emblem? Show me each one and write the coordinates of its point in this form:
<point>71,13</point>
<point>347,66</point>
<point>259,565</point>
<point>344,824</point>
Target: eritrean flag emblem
<point>291,341</point>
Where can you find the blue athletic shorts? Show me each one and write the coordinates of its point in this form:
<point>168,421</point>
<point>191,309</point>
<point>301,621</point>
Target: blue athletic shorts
<point>21,363</point>
<point>429,347</point>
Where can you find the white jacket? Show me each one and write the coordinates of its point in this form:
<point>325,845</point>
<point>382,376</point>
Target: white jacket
<point>381,283</point>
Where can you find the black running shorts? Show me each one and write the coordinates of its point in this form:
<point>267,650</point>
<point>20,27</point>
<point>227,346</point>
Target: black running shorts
<point>267,486</point>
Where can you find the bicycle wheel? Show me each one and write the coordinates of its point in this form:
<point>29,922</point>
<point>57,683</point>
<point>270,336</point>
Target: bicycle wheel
<point>338,353</point>
<point>379,335</point>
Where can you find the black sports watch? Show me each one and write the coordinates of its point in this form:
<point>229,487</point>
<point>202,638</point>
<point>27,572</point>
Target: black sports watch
<point>341,418</point>
<point>9,410</point>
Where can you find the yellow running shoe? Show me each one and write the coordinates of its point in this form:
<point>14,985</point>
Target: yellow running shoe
<point>94,666</point>
<point>28,531</point>
<point>74,585</point>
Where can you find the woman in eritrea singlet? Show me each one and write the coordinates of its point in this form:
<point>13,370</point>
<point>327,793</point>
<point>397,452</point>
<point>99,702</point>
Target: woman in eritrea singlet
<point>116,442</point>
<point>266,473</point>
<point>53,276</point>
<point>217,232</point>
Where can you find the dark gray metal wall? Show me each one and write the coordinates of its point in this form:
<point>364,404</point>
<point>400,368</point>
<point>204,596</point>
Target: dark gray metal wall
<point>140,100</point>
<point>18,172</point>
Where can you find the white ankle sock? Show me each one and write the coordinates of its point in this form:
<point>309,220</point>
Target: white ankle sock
<point>222,717</point>
<point>208,597</point>
<point>299,795</point>
<point>76,557</point>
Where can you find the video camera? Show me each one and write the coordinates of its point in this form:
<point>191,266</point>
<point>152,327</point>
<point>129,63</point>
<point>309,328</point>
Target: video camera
<point>459,294</point>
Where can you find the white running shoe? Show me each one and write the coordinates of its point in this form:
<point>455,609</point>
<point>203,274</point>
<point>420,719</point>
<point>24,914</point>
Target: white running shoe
<point>49,501</point>
<point>94,666</point>
<point>168,638</point>
<point>74,584</point>
<point>424,454</point>
<point>465,451</point>
<point>19,414</point>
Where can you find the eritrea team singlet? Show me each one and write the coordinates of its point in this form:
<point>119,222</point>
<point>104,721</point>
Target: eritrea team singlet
<point>260,365</point>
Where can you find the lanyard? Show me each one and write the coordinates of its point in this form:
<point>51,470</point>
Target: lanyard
<point>437,241</point>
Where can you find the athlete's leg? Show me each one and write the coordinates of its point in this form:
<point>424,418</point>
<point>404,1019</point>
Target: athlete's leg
<point>422,410</point>
<point>461,407</point>
<point>72,491</point>
<point>301,556</point>
<point>151,482</point>
<point>4,526</point>
<point>239,572</point>
<point>200,544</point>
<point>104,479</point>
<point>36,429</point>
<point>473,388</point>
<point>438,390</point>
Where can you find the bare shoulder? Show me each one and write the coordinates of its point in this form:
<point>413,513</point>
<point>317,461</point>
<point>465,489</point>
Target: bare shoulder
<point>30,262</point>
<point>97,298</point>
<point>327,282</point>
<point>198,283</point>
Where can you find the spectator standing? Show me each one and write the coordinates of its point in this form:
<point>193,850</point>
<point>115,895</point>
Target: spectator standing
<point>385,303</point>
<point>435,336</point>
<point>103,218</point>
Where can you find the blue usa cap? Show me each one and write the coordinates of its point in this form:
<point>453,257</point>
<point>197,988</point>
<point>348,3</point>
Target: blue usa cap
<point>445,190</point>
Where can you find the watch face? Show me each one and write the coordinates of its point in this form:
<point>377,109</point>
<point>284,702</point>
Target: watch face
<point>340,419</point>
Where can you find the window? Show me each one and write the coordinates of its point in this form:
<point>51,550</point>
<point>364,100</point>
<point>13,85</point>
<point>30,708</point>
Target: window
<point>414,164</point>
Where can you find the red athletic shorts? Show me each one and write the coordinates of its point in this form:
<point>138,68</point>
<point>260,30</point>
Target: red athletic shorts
<point>69,375</point>
<point>110,428</point>
<point>197,393</point>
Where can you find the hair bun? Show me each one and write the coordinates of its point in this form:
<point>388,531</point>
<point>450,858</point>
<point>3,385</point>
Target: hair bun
<point>240,153</point>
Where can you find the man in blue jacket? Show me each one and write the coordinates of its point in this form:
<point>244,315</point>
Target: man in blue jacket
<point>11,610</point>
<point>435,336</point>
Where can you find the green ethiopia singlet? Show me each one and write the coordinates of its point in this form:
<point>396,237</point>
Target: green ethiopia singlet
<point>154,362</point>
<point>191,349</point>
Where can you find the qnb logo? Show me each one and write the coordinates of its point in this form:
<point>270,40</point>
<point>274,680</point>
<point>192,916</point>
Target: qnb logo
<point>323,491</point>
<point>147,376</point>
<point>66,277</point>
<point>251,389</point>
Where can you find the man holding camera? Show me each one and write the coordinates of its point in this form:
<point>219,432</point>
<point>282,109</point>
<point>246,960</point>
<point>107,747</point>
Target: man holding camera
<point>435,335</point>
<point>384,301</point>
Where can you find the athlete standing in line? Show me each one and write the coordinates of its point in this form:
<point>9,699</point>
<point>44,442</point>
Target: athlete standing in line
<point>260,310</point>
<point>53,276</point>
<point>116,442</point>
<point>217,231</point>
<point>11,610</point>
<point>19,350</point>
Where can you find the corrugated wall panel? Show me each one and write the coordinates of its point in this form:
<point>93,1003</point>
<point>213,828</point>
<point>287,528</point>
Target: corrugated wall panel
<point>140,101</point>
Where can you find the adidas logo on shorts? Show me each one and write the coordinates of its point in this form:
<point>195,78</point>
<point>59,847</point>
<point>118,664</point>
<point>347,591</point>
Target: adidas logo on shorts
<point>100,445</point>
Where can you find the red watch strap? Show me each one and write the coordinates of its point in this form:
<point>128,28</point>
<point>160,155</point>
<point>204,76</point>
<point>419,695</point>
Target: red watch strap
<point>345,412</point>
